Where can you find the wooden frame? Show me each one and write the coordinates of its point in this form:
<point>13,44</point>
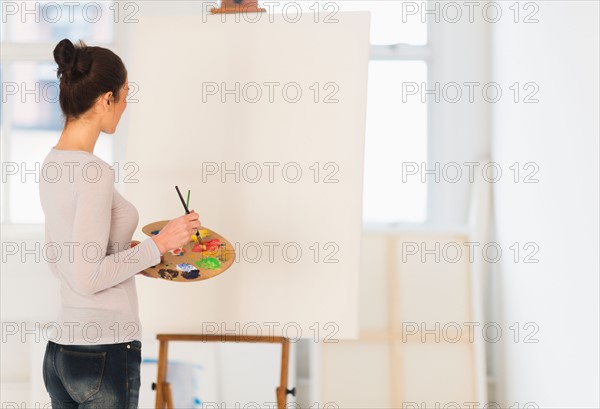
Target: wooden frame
<point>164,397</point>
<point>231,6</point>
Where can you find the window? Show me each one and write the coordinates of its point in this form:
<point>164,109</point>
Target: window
<point>396,136</point>
<point>31,120</point>
<point>49,22</point>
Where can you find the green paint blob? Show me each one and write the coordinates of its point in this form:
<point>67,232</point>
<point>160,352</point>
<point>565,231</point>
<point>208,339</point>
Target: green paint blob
<point>209,263</point>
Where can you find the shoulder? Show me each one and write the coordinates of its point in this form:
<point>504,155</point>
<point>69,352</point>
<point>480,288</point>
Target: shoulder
<point>77,164</point>
<point>83,171</point>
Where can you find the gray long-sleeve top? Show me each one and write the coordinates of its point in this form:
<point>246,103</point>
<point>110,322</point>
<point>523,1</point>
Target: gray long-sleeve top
<point>89,226</point>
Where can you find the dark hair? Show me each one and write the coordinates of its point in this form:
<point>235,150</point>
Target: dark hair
<point>85,73</point>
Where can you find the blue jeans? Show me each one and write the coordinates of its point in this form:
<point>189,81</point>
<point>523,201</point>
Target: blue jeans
<point>93,376</point>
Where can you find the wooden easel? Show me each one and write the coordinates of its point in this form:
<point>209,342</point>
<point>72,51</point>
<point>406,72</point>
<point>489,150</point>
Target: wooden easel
<point>239,6</point>
<point>164,398</point>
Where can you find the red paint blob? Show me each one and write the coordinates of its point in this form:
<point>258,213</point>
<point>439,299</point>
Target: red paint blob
<point>210,245</point>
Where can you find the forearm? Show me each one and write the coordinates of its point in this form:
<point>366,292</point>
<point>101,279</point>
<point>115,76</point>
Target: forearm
<point>115,268</point>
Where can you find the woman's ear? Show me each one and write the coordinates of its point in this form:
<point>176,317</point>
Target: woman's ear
<point>107,100</point>
<point>104,103</point>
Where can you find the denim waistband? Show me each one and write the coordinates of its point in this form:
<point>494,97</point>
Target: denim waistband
<point>99,347</point>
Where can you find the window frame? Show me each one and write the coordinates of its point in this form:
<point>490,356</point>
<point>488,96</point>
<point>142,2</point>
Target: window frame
<point>13,52</point>
<point>409,52</point>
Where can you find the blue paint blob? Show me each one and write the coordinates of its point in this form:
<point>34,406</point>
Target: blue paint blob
<point>185,267</point>
<point>155,232</point>
<point>190,275</point>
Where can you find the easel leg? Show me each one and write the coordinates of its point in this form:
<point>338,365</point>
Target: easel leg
<point>161,378</point>
<point>282,390</point>
<point>168,395</point>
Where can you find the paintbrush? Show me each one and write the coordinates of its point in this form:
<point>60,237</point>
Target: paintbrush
<point>188,212</point>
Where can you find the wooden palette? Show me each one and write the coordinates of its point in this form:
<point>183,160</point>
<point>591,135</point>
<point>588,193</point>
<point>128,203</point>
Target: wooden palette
<point>191,265</point>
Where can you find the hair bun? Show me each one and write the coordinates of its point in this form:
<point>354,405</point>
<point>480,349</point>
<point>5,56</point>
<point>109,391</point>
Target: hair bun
<point>74,62</point>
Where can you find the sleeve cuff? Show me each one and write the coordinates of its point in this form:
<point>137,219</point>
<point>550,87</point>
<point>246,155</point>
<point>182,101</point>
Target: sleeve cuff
<point>149,247</point>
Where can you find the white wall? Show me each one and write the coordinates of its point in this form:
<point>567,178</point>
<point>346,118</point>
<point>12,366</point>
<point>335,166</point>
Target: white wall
<point>559,213</point>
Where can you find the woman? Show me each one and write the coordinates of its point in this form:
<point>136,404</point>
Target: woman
<point>93,357</point>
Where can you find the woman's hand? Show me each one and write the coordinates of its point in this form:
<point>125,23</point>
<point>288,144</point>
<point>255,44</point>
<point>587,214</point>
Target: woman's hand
<point>177,232</point>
